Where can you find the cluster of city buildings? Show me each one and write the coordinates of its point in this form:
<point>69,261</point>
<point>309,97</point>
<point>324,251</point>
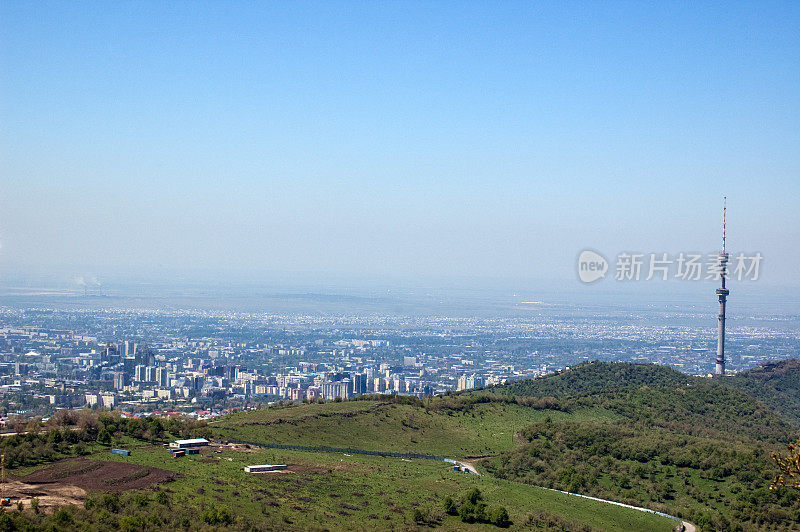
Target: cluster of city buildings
<point>66,369</point>
<point>194,360</point>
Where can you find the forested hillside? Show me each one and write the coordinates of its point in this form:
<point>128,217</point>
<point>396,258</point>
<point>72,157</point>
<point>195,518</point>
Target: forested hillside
<point>594,377</point>
<point>695,447</point>
<point>776,384</point>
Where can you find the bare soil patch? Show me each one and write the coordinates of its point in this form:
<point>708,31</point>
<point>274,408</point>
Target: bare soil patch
<point>238,447</point>
<point>99,475</point>
<point>50,496</point>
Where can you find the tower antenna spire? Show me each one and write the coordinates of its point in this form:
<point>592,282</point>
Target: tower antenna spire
<point>724,216</point>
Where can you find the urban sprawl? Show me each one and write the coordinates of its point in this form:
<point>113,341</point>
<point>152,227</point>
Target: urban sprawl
<point>204,363</point>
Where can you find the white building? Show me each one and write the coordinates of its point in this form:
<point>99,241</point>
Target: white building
<point>188,444</point>
<point>264,468</point>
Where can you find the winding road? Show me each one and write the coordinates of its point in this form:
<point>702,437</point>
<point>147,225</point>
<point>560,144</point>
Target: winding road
<point>467,466</point>
<point>687,526</point>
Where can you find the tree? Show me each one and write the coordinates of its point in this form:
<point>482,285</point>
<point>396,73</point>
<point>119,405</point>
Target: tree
<point>474,495</point>
<point>467,512</point>
<point>17,423</point>
<point>54,436</point>
<point>498,516</point>
<point>104,437</point>
<point>789,466</point>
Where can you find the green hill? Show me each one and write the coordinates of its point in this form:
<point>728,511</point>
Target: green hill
<point>693,446</point>
<point>635,433</point>
<point>589,378</point>
<point>776,384</point>
<point>335,491</point>
<point>659,396</point>
<point>151,490</point>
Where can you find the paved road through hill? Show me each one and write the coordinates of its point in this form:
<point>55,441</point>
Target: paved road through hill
<point>466,466</point>
<point>687,527</point>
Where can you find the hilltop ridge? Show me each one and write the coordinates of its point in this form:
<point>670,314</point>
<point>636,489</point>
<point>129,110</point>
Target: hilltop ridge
<point>776,384</point>
<point>593,377</point>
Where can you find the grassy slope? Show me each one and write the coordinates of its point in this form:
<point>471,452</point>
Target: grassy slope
<point>363,492</point>
<point>372,425</point>
<point>681,444</point>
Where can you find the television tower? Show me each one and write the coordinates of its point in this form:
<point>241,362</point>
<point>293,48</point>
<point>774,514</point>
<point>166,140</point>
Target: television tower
<point>722,294</point>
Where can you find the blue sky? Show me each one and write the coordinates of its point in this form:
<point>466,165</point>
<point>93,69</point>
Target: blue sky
<point>394,139</point>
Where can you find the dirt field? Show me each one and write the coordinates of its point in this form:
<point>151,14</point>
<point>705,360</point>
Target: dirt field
<point>69,481</point>
<point>238,447</point>
<point>51,496</point>
<point>97,475</point>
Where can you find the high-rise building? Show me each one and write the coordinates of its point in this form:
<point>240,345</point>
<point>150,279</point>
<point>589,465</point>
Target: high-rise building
<point>109,354</point>
<point>108,400</point>
<point>162,377</point>
<point>332,390</point>
<point>20,368</point>
<point>359,383</point>
<point>140,373</point>
<point>467,382</point>
<point>196,382</point>
<point>120,380</point>
<point>129,348</point>
<point>313,393</point>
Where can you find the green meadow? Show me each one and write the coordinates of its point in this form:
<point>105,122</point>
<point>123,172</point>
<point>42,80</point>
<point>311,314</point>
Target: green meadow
<point>482,429</point>
<point>361,492</point>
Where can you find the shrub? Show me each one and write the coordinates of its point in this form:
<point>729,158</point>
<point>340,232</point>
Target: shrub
<point>217,516</point>
<point>474,495</point>
<point>161,498</point>
<point>62,518</point>
<point>450,506</point>
<point>130,523</point>
<point>498,516</point>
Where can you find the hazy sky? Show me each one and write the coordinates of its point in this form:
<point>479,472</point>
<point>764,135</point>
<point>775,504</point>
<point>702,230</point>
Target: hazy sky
<point>394,139</point>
